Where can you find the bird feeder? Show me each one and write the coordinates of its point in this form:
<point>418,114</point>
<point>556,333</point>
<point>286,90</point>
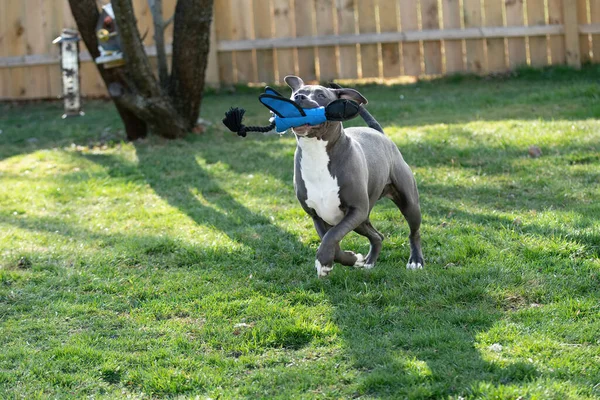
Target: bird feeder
<point>109,43</point>
<point>69,65</point>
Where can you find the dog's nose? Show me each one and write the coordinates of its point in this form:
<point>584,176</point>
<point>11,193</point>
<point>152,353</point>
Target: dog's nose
<point>299,97</point>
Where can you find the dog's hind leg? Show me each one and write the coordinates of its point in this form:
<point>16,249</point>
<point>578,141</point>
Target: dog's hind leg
<point>405,195</point>
<point>375,239</point>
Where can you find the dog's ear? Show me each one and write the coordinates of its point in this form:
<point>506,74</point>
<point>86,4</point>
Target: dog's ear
<point>350,94</point>
<point>294,82</point>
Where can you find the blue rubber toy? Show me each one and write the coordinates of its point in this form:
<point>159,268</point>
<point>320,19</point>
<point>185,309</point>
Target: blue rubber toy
<point>288,114</point>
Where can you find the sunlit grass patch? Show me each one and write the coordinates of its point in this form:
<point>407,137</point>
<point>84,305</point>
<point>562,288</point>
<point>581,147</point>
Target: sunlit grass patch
<point>162,269</point>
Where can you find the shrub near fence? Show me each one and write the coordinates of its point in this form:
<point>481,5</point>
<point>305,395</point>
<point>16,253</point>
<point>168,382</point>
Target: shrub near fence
<point>264,40</point>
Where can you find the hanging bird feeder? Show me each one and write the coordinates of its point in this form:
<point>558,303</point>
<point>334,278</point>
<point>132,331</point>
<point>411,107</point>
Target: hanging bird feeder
<point>69,65</point>
<point>109,43</point>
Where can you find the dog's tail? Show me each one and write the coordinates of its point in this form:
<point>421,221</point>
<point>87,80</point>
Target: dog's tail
<point>366,115</point>
<point>369,119</point>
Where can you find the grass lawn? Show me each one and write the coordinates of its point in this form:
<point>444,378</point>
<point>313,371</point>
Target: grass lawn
<point>185,269</point>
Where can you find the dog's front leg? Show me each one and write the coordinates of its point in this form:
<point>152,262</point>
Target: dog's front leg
<point>348,258</point>
<point>331,240</point>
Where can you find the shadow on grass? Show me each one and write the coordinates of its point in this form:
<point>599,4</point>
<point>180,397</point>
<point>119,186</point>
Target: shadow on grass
<point>27,128</point>
<point>406,333</point>
<point>415,336</point>
<point>189,187</point>
<point>418,341</point>
<point>403,333</point>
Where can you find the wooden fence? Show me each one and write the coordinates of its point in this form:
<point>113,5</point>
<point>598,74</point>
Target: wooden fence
<point>29,62</point>
<point>264,40</point>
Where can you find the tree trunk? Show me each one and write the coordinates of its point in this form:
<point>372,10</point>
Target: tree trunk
<point>86,15</point>
<point>191,41</point>
<point>141,102</point>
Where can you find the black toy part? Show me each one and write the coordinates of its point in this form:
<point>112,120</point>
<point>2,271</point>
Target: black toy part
<point>233,121</point>
<point>342,110</point>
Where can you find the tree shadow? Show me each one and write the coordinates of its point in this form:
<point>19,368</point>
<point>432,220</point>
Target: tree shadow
<point>38,126</point>
<point>400,342</point>
<point>188,186</point>
<point>407,334</point>
<point>416,336</point>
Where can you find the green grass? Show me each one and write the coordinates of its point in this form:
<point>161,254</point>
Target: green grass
<point>186,268</point>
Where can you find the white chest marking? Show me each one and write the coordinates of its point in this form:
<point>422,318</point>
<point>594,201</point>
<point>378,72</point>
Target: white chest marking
<point>322,189</point>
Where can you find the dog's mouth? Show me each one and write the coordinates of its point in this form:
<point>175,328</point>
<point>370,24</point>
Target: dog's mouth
<point>303,130</point>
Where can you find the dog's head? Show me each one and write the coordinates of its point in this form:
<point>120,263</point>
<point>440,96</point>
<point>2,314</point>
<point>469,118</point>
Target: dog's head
<point>313,96</point>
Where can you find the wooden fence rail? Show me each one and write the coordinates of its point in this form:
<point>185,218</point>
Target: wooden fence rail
<point>264,40</point>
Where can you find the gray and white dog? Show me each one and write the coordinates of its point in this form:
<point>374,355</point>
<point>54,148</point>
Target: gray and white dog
<point>341,173</point>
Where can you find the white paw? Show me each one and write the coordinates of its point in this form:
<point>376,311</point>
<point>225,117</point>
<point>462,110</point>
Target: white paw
<point>414,265</point>
<point>360,261</point>
<point>322,270</point>
<point>369,266</point>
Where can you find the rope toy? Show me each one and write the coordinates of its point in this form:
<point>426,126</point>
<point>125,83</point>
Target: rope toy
<point>288,114</point>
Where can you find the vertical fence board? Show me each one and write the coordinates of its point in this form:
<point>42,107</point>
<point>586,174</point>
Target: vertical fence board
<point>367,23</point>
<point>453,49</point>
<point>557,42</point>
<point>325,26</point>
<point>5,86</point>
<point>390,52</point>
<point>576,45</point>
<point>15,39</point>
<point>283,22</point>
<point>582,18</point>
<point>67,17</point>
<point>305,24</point>
<point>91,81</point>
<point>595,19</point>
<point>411,52</point>
<point>346,24</point>
<point>36,23</point>
<point>241,16</point>
<point>168,12</point>
<point>517,54</point>
<point>432,49</point>
<point>224,27</point>
<point>475,47</point>
<point>496,51</point>
<point>538,46</point>
<point>263,30</point>
<point>144,21</point>
<point>59,18</point>
<point>212,66</point>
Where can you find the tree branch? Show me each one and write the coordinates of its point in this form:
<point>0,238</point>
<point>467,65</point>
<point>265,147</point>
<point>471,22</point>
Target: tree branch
<point>86,14</point>
<point>134,89</point>
<point>159,40</point>
<point>136,61</point>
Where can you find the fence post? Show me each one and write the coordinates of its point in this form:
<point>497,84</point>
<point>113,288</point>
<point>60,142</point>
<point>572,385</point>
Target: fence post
<point>571,26</point>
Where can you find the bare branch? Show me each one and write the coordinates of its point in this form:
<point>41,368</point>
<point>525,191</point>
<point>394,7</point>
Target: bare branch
<point>145,34</point>
<point>159,40</point>
<point>136,61</point>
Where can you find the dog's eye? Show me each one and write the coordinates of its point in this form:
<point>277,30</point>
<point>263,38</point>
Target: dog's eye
<point>321,95</point>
